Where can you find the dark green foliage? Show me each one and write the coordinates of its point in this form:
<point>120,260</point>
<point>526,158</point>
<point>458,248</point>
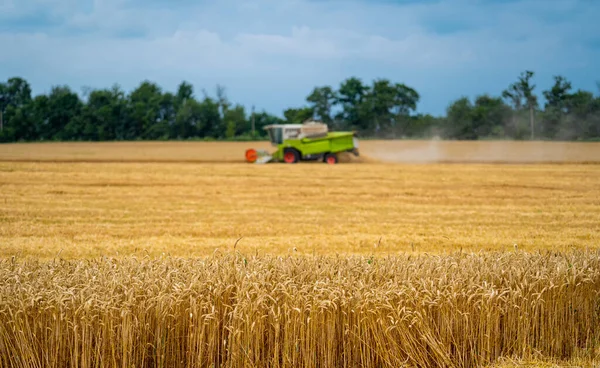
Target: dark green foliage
<point>381,109</point>
<point>297,116</point>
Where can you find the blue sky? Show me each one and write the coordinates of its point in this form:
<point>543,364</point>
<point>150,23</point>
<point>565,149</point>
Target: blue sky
<point>271,53</point>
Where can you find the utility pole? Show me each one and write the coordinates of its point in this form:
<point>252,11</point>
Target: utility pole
<point>253,121</point>
<point>1,126</point>
<point>531,119</point>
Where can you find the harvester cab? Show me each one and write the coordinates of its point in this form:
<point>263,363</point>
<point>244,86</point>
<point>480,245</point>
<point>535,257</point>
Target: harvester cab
<point>303,142</point>
<point>281,132</point>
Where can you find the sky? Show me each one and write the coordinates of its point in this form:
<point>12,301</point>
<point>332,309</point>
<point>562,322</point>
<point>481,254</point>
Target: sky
<point>272,53</point>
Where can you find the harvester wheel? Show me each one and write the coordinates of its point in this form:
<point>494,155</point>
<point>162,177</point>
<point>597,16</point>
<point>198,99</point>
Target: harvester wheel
<point>291,156</point>
<point>331,159</point>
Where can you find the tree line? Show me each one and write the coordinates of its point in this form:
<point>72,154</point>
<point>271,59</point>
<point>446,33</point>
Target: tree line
<point>382,109</point>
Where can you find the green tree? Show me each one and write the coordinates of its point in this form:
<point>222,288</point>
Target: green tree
<point>185,92</point>
<point>351,97</point>
<point>422,126</point>
<point>102,117</point>
<point>485,117</point>
<point>63,111</point>
<point>220,127</point>
<point>383,108</point>
<point>583,121</point>
<point>521,95</point>
<point>390,105</point>
<point>16,92</point>
<point>378,103</point>
<point>188,121</point>
<point>298,116</point>
<point>15,95</point>
<point>489,116</point>
<point>210,118</point>
<point>19,126</point>
<point>167,112</point>
<point>144,111</point>
<point>556,107</point>
<point>459,123</point>
<point>263,119</point>
<point>235,121</point>
<point>322,100</point>
<point>558,94</point>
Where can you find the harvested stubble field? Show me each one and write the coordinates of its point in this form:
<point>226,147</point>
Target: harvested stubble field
<point>390,151</point>
<point>328,268</point>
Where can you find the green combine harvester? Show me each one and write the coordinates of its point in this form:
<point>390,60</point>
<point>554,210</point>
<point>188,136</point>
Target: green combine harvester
<point>310,141</point>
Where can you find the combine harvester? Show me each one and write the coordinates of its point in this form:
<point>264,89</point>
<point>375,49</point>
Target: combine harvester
<point>310,141</point>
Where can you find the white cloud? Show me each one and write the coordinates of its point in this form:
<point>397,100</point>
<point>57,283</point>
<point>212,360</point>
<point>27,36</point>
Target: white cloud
<point>255,47</point>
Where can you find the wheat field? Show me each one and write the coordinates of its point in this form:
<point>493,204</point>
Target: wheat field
<point>179,255</point>
<point>240,310</point>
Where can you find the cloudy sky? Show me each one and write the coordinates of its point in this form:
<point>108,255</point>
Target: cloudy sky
<point>271,53</point>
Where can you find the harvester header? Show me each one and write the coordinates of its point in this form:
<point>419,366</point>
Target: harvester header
<point>309,141</point>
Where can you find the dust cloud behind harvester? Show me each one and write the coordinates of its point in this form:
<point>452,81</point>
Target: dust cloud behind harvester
<point>437,151</point>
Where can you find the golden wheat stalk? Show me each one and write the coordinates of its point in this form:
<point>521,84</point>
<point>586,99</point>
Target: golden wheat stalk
<point>460,310</point>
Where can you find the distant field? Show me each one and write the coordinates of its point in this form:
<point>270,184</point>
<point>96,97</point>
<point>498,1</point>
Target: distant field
<point>371,151</point>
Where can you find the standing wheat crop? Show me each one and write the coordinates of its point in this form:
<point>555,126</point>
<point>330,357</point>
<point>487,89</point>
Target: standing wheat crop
<point>460,310</point>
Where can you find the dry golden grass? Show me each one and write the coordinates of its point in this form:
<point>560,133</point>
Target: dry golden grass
<point>239,310</point>
<point>93,209</point>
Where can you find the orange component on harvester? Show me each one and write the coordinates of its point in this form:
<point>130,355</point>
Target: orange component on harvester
<point>251,155</point>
